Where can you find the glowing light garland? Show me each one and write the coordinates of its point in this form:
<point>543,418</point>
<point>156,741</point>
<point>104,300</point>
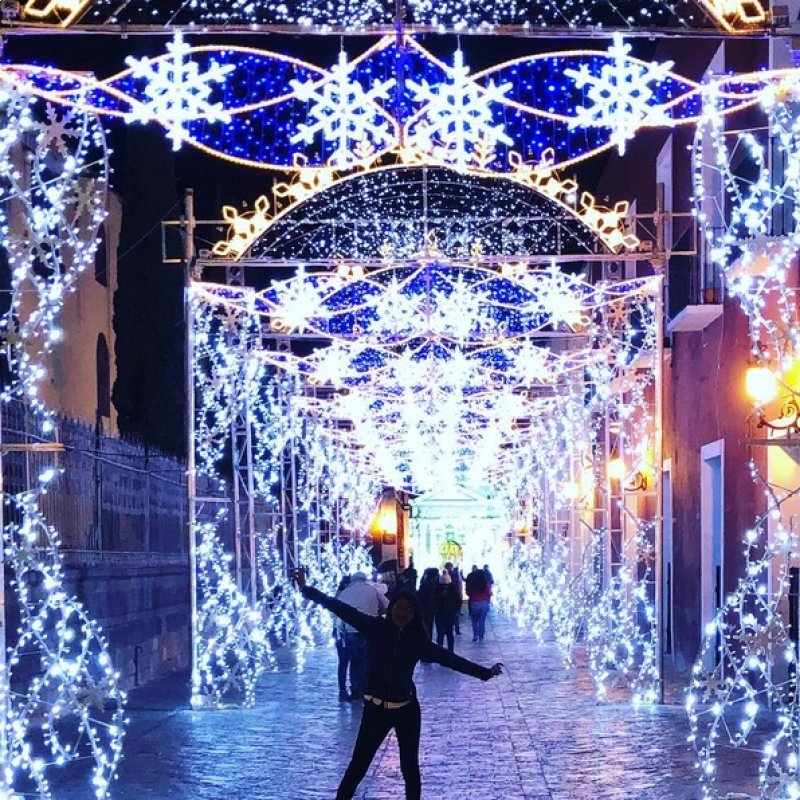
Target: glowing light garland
<point>744,690</point>
<point>732,15</point>
<point>620,95</point>
<point>232,647</point>
<point>236,640</point>
<point>69,706</point>
<point>177,92</point>
<point>276,112</point>
<point>408,371</point>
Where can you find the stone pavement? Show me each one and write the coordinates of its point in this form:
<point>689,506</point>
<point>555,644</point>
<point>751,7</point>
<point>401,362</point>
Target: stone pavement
<point>534,734</point>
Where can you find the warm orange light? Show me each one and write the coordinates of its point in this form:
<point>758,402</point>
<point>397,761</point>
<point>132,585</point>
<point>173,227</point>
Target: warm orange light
<point>761,385</point>
<point>616,469</point>
<point>385,521</point>
<point>791,376</point>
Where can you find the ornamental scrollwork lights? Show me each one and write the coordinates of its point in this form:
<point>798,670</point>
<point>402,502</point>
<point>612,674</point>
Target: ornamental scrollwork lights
<point>271,111</point>
<point>62,700</point>
<point>744,691</point>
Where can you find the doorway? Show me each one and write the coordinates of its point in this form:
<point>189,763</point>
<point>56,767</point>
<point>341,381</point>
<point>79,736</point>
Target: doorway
<point>712,522</point>
<point>666,559</point>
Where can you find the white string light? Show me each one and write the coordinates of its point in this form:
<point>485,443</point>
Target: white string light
<point>63,701</point>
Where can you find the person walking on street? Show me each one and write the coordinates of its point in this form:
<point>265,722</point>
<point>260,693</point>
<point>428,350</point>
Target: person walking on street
<point>468,581</point>
<point>367,599</point>
<point>447,604</point>
<point>427,598</point>
<point>458,583</point>
<point>341,647</point>
<point>479,592</point>
<point>411,571</point>
<point>395,645</point>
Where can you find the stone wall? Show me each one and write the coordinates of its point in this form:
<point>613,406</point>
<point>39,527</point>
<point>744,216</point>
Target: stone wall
<point>142,602</point>
<point>121,512</point>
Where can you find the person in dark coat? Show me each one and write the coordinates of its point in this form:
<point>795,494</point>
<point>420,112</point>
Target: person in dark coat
<point>341,647</point>
<point>447,604</point>
<point>395,644</point>
<point>412,574</point>
<point>427,597</point>
<point>458,582</point>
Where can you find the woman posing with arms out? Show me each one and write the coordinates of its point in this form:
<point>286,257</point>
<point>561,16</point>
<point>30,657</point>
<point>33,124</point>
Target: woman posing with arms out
<point>394,646</point>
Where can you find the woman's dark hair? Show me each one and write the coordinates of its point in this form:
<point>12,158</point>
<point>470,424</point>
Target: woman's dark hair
<point>411,599</point>
<point>479,582</point>
<point>343,583</point>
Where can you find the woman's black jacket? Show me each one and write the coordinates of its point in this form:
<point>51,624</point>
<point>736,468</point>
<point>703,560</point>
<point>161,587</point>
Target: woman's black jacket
<point>392,652</point>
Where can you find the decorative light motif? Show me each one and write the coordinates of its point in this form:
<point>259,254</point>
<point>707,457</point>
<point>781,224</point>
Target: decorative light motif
<point>529,106</point>
<point>232,647</point>
<point>176,91</point>
<point>736,15</point>
<point>440,353</point>
<point>744,690</point>
<point>457,126</point>
<point>745,677</point>
<point>345,115</point>
<point>60,12</point>
<point>459,15</point>
<point>621,95</point>
<point>756,246</point>
<point>540,228</point>
<point>69,707</point>
<point>574,581</point>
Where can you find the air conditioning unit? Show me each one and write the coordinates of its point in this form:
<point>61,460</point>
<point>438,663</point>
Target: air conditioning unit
<point>780,17</point>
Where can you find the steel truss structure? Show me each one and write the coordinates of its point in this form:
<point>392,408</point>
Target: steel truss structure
<point>617,525</point>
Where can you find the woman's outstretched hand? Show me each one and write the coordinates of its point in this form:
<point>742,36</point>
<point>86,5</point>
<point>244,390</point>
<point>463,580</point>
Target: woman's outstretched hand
<point>496,669</point>
<point>299,577</point>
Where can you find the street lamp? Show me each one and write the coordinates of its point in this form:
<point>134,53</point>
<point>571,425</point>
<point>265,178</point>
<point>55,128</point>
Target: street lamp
<point>763,387</point>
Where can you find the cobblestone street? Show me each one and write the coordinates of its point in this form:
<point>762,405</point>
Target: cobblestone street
<point>534,734</point>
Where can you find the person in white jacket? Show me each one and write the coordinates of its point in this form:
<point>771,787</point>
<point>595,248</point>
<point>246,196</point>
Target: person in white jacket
<point>368,599</point>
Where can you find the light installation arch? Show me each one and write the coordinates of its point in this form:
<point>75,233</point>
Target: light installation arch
<point>267,110</point>
<point>374,365</point>
<point>398,208</point>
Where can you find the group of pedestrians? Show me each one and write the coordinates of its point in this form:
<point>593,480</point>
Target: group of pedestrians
<point>440,598</point>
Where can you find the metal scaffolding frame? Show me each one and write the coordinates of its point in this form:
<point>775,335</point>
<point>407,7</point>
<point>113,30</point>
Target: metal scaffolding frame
<point>285,516</point>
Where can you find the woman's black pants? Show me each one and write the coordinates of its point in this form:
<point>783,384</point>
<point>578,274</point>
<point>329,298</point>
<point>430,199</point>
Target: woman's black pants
<point>376,723</point>
<point>444,629</point>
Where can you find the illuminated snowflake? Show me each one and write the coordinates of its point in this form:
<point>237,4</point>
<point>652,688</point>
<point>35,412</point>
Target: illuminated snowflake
<point>621,95</point>
<point>58,130</point>
<point>177,92</point>
<point>344,113</point>
<point>458,121</point>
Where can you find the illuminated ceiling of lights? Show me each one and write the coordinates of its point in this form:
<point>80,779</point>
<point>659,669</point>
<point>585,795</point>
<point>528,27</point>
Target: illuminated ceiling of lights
<point>403,209</point>
<point>430,358</point>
